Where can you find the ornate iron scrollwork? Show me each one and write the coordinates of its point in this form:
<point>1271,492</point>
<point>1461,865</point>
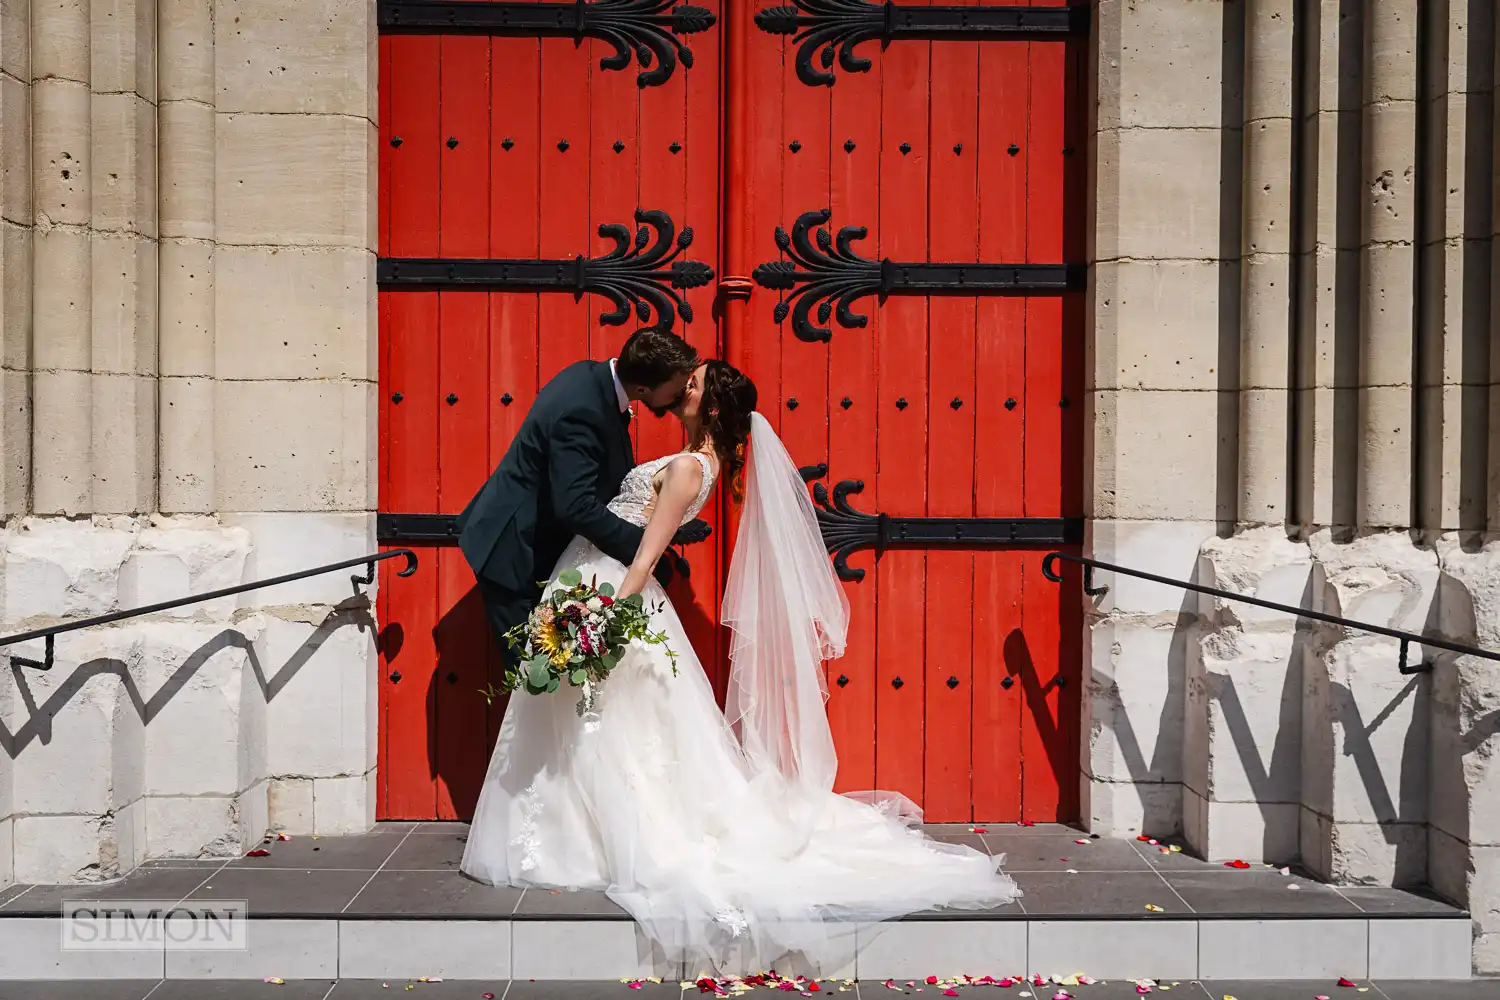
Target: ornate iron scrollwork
<point>822,26</point>
<point>846,530</point>
<point>646,29</point>
<point>831,276</point>
<point>640,280</point>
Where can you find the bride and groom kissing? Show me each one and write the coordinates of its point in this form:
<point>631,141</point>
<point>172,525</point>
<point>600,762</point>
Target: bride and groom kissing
<point>718,831</point>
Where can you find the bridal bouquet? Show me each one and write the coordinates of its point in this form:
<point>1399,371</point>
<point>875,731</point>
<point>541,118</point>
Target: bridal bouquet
<point>577,635</point>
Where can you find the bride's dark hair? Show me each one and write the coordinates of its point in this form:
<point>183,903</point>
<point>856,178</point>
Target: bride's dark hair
<point>729,399</point>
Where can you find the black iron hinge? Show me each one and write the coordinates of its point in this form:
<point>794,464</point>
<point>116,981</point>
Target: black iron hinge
<point>846,530</point>
<point>821,26</point>
<point>831,277</point>
<point>645,29</point>
<point>640,280</point>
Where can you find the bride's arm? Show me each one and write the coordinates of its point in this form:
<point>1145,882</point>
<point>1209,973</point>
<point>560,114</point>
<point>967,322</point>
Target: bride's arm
<point>680,485</point>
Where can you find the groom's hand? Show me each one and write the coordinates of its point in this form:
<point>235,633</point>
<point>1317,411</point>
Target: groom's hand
<point>694,531</point>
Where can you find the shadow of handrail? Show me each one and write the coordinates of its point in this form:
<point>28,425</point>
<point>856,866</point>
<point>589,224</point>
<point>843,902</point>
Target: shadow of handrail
<point>1049,570</point>
<point>52,631</point>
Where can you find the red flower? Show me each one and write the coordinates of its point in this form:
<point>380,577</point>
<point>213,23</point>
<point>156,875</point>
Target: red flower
<point>606,600</point>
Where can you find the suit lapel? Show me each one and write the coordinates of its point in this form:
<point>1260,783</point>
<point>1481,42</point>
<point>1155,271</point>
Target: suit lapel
<point>610,402</point>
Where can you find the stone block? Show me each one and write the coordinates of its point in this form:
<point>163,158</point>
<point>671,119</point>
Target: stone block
<point>175,557</point>
<point>123,339</point>
<point>191,677</point>
<point>1380,854</point>
<point>1390,144</point>
<point>187,445</point>
<point>187,308</point>
<point>343,806</point>
<point>1261,563</point>
<point>290,802</point>
<point>7,851</point>
<point>124,163</point>
<point>15,38</point>
<point>187,188</point>
<point>125,439</point>
<point>1145,168</point>
<point>62,442</point>
<point>56,569</point>
<point>1391,34</point>
<point>62,299</point>
<point>316,58</point>
<point>1265,316</point>
<point>15,442</point>
<point>1268,190</point>
<point>295,446</point>
<point>1162,548</point>
<point>1448,866</point>
<point>61,849</point>
<point>123,47</point>
<point>130,831</point>
<point>1258,832</point>
<point>1156,453</point>
<point>15,296</point>
<point>186,49</point>
<point>1250,699</point>
<point>1263,457</point>
<point>193,826</point>
<point>61,150</point>
<point>1388,297</point>
<point>1161,64</point>
<point>296,180</point>
<point>1136,697</point>
<point>1164,320</point>
<point>282,543</point>
<point>253,808</point>
<point>289,313</point>
<point>1269,57</point>
<point>15,152</point>
<point>1129,810</point>
<point>60,32</point>
<point>320,680</point>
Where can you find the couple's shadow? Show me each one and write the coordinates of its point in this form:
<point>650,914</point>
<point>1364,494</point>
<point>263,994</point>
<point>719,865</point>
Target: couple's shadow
<point>461,727</point>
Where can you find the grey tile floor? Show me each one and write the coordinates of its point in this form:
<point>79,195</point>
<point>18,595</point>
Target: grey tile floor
<point>411,870</point>
<point>374,989</point>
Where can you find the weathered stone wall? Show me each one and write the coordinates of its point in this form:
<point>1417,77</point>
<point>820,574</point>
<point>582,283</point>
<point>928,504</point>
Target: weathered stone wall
<point>1295,368</point>
<point>186,403</point>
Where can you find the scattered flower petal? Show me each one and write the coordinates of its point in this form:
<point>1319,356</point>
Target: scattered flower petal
<point>978,829</point>
<point>1154,908</point>
<point>259,852</point>
<point>1293,886</point>
<point>274,980</point>
<point>1027,822</point>
<point>1284,871</point>
<point>1176,848</point>
<point>1236,864</point>
<point>283,836</point>
<point>1345,982</point>
<point>1080,841</point>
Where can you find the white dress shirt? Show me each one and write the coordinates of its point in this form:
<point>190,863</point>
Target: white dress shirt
<point>619,388</point>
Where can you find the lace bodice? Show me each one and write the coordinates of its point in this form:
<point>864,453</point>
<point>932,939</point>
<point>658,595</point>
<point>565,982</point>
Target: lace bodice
<point>637,494</point>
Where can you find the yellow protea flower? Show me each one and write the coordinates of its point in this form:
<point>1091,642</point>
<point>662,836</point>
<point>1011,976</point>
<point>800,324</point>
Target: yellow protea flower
<point>549,640</point>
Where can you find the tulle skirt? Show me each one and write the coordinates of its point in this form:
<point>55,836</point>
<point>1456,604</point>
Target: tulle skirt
<point>728,868</point>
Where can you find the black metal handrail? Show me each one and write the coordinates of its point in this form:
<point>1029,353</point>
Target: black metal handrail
<point>52,631</point>
<point>1049,570</point>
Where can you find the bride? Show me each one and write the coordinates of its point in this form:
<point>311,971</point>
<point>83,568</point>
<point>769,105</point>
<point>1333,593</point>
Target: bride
<point>719,832</point>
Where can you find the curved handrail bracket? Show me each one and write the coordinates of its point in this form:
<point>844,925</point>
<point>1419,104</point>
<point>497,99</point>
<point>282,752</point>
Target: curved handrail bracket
<point>50,633</point>
<point>1049,570</point>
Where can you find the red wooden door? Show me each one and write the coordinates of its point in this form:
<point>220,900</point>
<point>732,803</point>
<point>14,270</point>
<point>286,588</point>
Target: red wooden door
<point>960,687</point>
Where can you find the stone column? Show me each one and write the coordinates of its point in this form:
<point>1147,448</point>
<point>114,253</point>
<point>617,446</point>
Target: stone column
<point>124,336</point>
<point>294,358</point>
<point>1388,264</point>
<point>15,258</point>
<point>1266,266</point>
<point>1155,395</point>
<point>62,272</point>
<point>186,199</point>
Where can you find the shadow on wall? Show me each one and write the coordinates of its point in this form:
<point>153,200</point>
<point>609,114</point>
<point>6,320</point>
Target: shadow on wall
<point>38,725</point>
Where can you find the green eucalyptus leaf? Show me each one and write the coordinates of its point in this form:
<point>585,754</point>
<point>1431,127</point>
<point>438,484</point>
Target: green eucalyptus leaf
<point>570,578</point>
<point>577,677</point>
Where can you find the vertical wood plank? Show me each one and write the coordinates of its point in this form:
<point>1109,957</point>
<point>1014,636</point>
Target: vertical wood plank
<point>514,225</point>
<point>567,73</point>
<point>412,440</point>
<point>999,467</point>
<point>901,479</point>
<point>951,598</point>
<point>855,201</point>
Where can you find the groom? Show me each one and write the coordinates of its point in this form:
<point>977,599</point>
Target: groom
<point>565,463</point>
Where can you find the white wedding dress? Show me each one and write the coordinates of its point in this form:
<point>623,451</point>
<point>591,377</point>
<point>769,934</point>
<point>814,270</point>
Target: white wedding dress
<point>733,858</point>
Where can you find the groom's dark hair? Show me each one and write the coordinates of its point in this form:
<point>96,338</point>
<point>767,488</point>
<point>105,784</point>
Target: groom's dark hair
<point>652,357</point>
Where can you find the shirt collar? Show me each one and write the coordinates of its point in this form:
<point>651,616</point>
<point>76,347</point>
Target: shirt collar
<point>620,396</point>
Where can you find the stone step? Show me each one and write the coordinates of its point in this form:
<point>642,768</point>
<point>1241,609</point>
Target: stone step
<point>502,989</point>
<point>392,904</point>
